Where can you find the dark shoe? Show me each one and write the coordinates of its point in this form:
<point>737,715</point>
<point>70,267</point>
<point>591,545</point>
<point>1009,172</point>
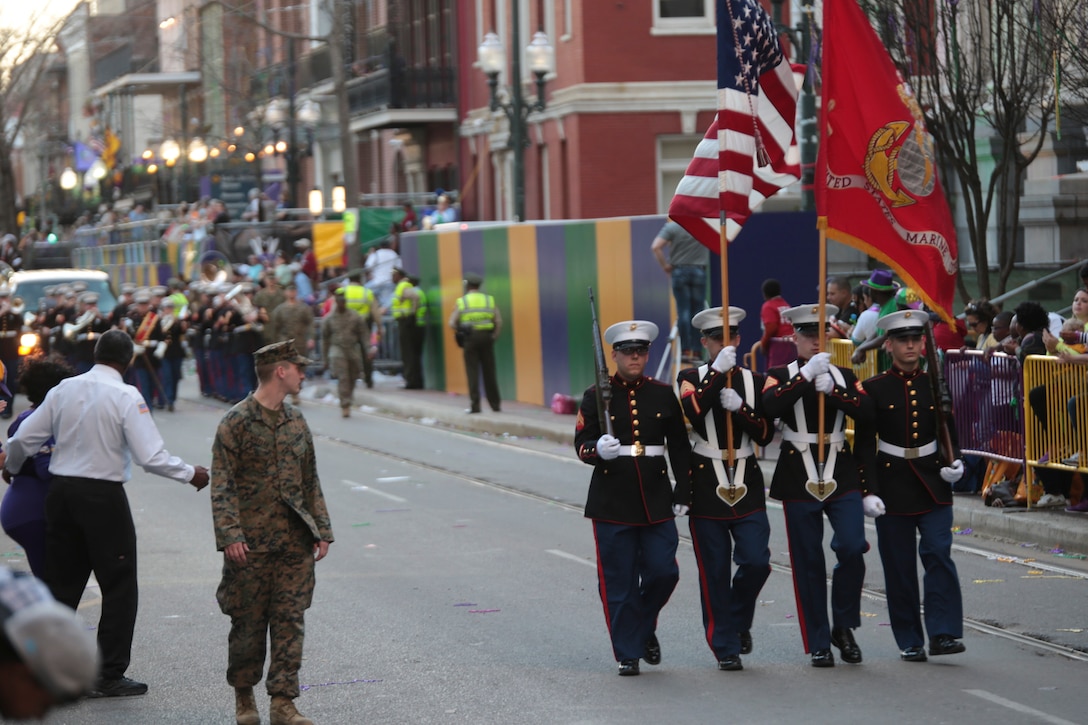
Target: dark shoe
<point>470,411</point>
<point>823,658</point>
<point>652,654</point>
<point>843,638</point>
<point>120,687</point>
<point>945,644</point>
<point>913,654</point>
<point>628,668</point>
<point>170,408</point>
<point>730,663</point>
<point>746,643</point>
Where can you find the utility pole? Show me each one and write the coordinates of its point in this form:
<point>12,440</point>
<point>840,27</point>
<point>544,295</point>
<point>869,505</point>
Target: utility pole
<point>341,10</point>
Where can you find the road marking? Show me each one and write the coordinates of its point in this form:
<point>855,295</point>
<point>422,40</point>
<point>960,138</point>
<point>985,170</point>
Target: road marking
<point>1036,714</point>
<point>572,557</point>
<point>360,487</point>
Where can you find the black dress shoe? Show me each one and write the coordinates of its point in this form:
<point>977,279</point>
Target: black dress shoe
<point>652,654</point>
<point>945,644</point>
<point>843,638</point>
<point>730,663</point>
<point>823,658</point>
<point>913,654</point>
<point>120,687</point>
<point>746,643</point>
<point>628,668</point>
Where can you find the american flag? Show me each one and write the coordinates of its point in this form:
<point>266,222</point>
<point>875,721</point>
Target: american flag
<point>757,89</point>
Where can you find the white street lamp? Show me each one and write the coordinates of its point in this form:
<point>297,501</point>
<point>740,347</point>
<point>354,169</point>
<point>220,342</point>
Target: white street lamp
<point>541,55</point>
<point>68,179</point>
<point>339,199</point>
<point>317,202</point>
<point>491,55</point>
<point>98,170</point>
<point>170,151</point>
<point>198,150</point>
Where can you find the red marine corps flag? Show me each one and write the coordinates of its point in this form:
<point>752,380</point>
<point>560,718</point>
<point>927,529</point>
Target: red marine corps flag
<point>749,152</point>
<point>876,175</point>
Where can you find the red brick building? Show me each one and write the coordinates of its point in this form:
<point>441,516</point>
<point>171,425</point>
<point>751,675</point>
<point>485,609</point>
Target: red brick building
<point>632,91</point>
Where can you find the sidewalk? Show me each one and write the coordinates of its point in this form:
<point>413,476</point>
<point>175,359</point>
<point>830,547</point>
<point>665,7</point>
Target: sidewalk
<point>1047,528</point>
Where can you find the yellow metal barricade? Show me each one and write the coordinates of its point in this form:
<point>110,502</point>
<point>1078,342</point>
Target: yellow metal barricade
<point>841,350</point>
<point>1056,413</point>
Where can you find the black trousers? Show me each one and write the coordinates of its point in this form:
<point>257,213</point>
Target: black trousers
<point>480,362</point>
<point>410,352</point>
<point>89,528</point>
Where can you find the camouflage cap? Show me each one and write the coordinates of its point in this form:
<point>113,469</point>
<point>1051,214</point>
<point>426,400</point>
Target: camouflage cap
<point>279,352</point>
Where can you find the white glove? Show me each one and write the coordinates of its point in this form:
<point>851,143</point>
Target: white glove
<point>679,509</point>
<point>820,363</point>
<point>873,506</point>
<point>726,359</point>
<point>608,447</point>
<point>731,400</point>
<point>953,473</point>
<point>824,383</point>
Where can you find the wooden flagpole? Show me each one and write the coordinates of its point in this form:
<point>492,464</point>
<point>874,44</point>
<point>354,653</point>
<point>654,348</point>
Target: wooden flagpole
<point>821,299</point>
<point>724,254</point>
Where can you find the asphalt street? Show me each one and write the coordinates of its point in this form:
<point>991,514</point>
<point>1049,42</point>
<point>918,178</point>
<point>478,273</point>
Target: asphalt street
<point>462,589</point>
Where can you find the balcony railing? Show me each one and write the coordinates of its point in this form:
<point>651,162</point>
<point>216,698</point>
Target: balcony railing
<point>405,88</point>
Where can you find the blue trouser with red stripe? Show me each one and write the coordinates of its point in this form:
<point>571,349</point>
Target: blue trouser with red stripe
<point>729,605</point>
<point>941,583</point>
<point>636,573</point>
<point>805,528</point>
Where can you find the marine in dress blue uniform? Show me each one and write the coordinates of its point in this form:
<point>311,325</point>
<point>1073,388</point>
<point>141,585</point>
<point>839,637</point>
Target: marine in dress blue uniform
<point>630,496</point>
<point>791,393</point>
<point>909,493</point>
<point>728,514</point>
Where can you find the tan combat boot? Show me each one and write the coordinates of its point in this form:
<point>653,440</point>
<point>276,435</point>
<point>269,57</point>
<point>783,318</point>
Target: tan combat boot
<point>245,707</point>
<point>283,712</point>
<point>345,412</point>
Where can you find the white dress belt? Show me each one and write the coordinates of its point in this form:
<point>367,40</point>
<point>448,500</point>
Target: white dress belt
<point>789,434</point>
<point>708,451</point>
<point>908,453</point>
<point>640,450</point>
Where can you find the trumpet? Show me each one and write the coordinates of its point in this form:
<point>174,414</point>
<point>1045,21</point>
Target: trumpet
<point>71,329</point>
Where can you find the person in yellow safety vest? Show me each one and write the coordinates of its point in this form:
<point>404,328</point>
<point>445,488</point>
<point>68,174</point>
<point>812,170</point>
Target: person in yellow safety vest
<point>404,305</point>
<point>361,299</point>
<point>476,315</point>
<point>421,326</point>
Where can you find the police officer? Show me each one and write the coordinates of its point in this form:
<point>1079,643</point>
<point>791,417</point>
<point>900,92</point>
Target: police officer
<point>404,305</point>
<point>476,314</point>
<point>909,493</point>
<point>808,493</point>
<point>630,497</point>
<point>728,513</point>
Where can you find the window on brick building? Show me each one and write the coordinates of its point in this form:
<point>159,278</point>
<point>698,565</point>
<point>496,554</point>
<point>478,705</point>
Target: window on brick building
<point>686,17</point>
<point>673,156</point>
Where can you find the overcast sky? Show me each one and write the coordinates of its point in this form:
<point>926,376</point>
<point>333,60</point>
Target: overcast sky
<point>16,13</point>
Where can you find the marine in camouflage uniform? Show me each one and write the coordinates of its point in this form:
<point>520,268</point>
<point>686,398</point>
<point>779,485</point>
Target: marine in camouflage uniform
<point>344,339</point>
<point>270,518</point>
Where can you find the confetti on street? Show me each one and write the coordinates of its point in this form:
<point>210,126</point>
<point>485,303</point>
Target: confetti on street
<point>989,581</point>
<point>963,532</point>
<point>330,684</point>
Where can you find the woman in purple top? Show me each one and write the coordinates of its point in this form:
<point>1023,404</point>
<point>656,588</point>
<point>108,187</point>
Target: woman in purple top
<point>22,512</point>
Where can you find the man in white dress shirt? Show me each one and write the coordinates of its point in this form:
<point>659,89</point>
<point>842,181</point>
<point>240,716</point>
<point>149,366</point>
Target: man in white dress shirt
<point>101,425</point>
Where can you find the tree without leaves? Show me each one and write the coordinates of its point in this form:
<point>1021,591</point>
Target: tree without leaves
<point>25,55</point>
<point>980,69</point>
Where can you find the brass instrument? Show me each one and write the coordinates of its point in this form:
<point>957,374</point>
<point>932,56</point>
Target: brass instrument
<point>71,329</point>
<point>214,268</point>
